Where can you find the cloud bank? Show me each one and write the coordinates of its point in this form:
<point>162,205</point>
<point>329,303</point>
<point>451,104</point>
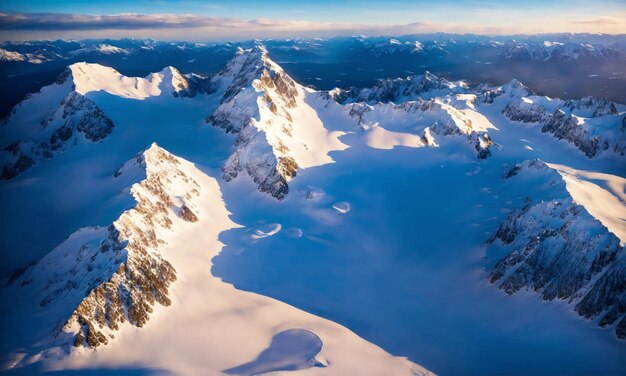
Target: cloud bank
<point>193,27</point>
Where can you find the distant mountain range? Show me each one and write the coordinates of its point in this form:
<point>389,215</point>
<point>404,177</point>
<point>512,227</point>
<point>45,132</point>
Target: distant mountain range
<point>560,65</point>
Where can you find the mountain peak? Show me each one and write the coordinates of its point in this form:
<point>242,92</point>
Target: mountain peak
<point>91,77</point>
<point>116,275</point>
<point>516,89</point>
<point>241,71</point>
<point>278,133</point>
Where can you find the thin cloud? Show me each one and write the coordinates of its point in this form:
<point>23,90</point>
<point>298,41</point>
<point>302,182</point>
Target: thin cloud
<point>155,22</point>
<point>128,21</point>
<point>191,27</point>
<point>602,21</point>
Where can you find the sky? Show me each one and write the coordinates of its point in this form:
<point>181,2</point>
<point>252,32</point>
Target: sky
<point>219,20</point>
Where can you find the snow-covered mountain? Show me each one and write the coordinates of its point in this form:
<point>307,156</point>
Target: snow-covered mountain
<point>350,202</point>
<point>594,125</point>
<point>62,115</point>
<point>11,56</point>
<point>103,281</point>
<point>278,131</point>
<point>560,251</point>
<point>561,52</point>
<point>399,89</point>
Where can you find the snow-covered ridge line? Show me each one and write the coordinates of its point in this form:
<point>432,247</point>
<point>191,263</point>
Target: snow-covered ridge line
<point>278,132</point>
<point>160,251</point>
<point>557,249</point>
<point>88,78</point>
<point>560,52</point>
<point>117,273</point>
<point>396,90</point>
<point>593,125</point>
<point>66,113</point>
<point>434,118</point>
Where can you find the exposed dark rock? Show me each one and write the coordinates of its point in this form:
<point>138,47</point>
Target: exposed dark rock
<point>559,251</point>
<point>187,214</point>
<point>394,90</point>
<point>13,169</point>
<point>79,115</point>
<point>525,112</point>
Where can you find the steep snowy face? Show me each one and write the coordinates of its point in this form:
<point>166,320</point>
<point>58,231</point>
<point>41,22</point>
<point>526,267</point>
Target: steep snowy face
<point>512,90</point>
<point>400,89</point>
<point>278,131</point>
<point>151,269</point>
<point>558,250</point>
<point>116,275</point>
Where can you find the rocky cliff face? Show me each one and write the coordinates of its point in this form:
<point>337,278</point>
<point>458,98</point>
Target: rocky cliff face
<point>399,89</point>
<point>63,114</point>
<point>257,103</point>
<point>558,250</point>
<point>525,111</point>
<point>117,275</point>
<point>591,124</point>
<point>75,119</point>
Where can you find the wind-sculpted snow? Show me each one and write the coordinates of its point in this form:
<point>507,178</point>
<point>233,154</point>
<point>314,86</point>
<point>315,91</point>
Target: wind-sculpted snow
<point>151,269</point>
<point>561,252</point>
<point>432,119</point>
<point>388,190</point>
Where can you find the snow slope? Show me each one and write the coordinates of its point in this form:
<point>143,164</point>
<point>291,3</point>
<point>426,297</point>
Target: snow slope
<point>162,244</point>
<point>377,237</point>
<point>64,114</point>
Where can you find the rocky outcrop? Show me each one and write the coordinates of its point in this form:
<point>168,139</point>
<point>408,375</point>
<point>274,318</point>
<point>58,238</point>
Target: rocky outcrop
<point>117,275</point>
<point>194,85</point>
<point>591,124</point>
<point>571,128</point>
<point>143,276</point>
<point>75,119</point>
<point>511,90</point>
<point>558,250</point>
<point>591,107</point>
<point>254,85</point>
<point>433,117</point>
<point>524,110</point>
<point>398,89</point>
